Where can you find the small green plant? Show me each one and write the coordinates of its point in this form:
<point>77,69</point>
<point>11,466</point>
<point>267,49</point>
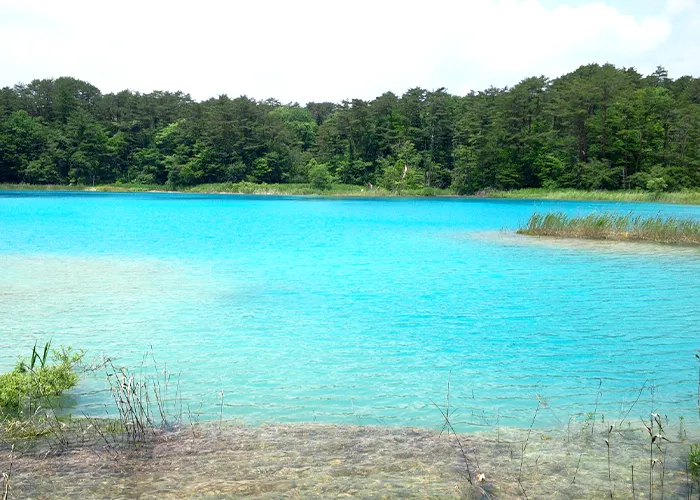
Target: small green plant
<point>694,463</point>
<point>36,380</point>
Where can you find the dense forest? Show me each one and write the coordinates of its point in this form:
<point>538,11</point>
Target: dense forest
<point>599,127</point>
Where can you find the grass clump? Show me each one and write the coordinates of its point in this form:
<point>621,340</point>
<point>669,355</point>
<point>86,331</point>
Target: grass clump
<point>609,226</point>
<point>36,380</point>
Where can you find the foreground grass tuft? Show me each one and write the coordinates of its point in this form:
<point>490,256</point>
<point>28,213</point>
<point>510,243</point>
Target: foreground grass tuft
<point>608,226</point>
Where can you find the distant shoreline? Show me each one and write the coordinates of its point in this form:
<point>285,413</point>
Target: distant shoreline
<point>349,190</point>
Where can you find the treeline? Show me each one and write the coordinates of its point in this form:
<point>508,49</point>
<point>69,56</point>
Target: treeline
<point>599,127</point>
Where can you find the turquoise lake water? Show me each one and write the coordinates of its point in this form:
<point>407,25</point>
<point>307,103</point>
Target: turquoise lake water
<point>354,310</point>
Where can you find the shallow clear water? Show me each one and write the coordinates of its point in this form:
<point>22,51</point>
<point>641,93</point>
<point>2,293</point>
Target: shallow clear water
<point>304,460</point>
<point>354,310</point>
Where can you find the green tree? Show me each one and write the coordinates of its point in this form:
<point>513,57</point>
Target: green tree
<point>598,127</point>
<point>87,149</point>
<point>319,176</point>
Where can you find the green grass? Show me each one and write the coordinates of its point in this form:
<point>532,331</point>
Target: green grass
<point>691,197</point>
<point>608,226</point>
<point>237,188</point>
<point>308,190</point>
<point>685,197</point>
<point>117,188</point>
<point>276,189</point>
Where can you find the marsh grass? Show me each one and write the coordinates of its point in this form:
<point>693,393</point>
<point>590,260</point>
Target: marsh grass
<point>609,226</point>
<point>309,190</point>
<point>144,406</point>
<point>147,400</point>
<point>691,197</point>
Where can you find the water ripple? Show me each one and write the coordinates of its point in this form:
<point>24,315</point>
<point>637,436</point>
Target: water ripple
<point>339,310</point>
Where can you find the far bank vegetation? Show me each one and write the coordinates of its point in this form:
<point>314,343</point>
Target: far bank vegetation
<point>599,127</point>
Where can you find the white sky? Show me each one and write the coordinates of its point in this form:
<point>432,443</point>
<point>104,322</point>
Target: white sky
<point>326,50</point>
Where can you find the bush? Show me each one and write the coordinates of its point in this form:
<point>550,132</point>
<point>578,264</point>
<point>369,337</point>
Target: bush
<point>36,381</point>
<point>656,185</point>
<point>319,176</point>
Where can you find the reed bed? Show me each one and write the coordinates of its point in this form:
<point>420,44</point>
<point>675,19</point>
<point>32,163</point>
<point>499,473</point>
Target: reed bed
<point>610,226</point>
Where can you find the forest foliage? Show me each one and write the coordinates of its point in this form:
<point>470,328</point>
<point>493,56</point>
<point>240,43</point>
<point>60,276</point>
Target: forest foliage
<point>599,127</point>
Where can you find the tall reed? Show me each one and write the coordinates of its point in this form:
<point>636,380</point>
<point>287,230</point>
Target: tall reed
<point>143,409</point>
<point>610,226</point>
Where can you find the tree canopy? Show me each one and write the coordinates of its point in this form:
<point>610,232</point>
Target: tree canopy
<point>599,127</point>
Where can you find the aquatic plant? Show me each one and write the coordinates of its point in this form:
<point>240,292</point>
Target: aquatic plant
<point>36,380</point>
<point>447,426</point>
<point>610,226</point>
<point>142,402</point>
<point>694,463</point>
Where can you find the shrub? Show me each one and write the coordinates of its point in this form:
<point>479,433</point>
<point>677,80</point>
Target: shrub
<point>656,185</point>
<point>319,176</point>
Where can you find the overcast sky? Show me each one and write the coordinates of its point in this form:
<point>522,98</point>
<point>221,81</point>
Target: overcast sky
<point>328,50</point>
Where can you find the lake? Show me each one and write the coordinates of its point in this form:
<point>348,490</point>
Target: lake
<point>295,309</point>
